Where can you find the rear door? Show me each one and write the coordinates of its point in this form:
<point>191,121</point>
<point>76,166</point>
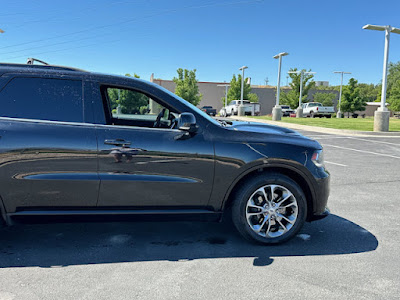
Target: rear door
<point>145,166</point>
<point>48,154</point>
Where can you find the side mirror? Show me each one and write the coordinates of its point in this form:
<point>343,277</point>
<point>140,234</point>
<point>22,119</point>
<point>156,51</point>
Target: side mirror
<point>187,122</point>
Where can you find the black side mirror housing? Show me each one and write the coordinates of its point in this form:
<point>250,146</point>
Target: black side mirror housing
<point>187,122</point>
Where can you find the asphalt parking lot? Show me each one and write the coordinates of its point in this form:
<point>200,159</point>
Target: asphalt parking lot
<point>353,253</point>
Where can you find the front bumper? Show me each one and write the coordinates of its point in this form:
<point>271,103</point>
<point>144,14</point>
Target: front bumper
<point>316,217</point>
<point>322,189</point>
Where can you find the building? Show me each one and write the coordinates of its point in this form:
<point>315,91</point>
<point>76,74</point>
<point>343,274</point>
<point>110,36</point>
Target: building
<point>321,83</point>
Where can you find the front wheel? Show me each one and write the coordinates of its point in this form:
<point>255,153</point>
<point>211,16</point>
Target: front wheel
<point>269,209</point>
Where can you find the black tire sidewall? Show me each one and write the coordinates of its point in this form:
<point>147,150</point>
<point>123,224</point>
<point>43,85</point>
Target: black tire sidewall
<point>248,188</point>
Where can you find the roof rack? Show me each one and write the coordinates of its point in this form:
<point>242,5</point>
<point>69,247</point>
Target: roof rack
<point>30,64</point>
<point>31,60</point>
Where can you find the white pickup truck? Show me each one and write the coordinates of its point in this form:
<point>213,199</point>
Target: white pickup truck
<point>316,109</point>
<point>250,108</point>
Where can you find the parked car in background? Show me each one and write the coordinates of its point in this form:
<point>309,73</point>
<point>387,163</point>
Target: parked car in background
<point>316,109</point>
<point>286,110</point>
<point>250,108</point>
<point>209,110</point>
<point>66,152</point>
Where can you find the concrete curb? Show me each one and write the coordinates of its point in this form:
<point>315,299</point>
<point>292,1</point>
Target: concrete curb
<point>320,129</point>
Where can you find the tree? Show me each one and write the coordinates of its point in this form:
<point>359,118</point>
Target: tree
<point>392,90</point>
<point>394,98</point>
<point>351,98</point>
<point>292,97</point>
<point>235,90</point>
<point>186,86</point>
<point>368,92</point>
<point>130,102</point>
<point>325,98</point>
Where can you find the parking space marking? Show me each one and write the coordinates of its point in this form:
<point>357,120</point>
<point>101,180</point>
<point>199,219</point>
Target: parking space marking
<point>321,137</point>
<point>333,163</point>
<point>363,151</point>
<point>380,142</point>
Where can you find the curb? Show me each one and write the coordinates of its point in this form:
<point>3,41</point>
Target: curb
<point>320,129</point>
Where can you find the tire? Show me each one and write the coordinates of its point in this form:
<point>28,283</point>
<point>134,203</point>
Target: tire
<point>312,115</point>
<point>329,116</point>
<point>271,231</point>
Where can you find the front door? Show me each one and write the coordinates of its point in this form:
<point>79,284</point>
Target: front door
<point>143,163</point>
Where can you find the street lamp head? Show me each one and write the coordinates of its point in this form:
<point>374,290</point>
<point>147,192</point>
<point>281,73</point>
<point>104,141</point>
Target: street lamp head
<point>395,30</point>
<point>280,54</point>
<point>375,27</point>
<point>382,28</point>
<point>243,68</point>
<point>340,72</point>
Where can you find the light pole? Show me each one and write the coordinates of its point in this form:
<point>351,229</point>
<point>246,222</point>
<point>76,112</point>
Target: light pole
<point>381,115</point>
<point>299,111</point>
<point>277,110</point>
<point>240,108</point>
<point>339,113</point>
<point>226,94</point>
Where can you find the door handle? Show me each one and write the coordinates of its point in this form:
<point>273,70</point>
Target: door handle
<point>117,142</point>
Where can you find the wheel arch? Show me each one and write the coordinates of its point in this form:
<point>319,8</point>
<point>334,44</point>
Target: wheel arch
<point>3,213</point>
<point>290,171</point>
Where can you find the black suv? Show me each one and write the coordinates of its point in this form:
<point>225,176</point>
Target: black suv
<point>76,143</point>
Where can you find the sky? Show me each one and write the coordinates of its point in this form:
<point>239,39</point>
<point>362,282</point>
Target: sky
<point>214,37</point>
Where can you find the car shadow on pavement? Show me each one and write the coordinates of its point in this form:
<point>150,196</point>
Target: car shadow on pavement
<point>58,245</point>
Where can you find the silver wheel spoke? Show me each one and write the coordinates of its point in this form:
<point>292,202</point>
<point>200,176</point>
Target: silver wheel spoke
<point>262,190</point>
<point>289,205</point>
<point>262,224</point>
<point>283,226</point>
<point>286,198</point>
<point>254,213</point>
<point>283,217</point>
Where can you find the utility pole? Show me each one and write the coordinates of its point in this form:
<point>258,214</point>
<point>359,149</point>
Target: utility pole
<point>339,113</point>
<point>226,94</point>
<point>277,110</point>
<point>299,111</point>
<point>381,116</point>
<point>240,108</point>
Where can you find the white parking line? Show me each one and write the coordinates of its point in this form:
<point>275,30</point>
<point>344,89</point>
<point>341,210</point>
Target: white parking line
<point>333,163</point>
<point>321,137</point>
<point>363,151</point>
<point>379,142</point>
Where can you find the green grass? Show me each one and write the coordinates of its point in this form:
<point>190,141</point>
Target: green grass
<point>363,124</point>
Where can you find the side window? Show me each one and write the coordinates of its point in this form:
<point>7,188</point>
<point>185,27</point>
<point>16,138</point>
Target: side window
<point>42,99</point>
<point>129,107</point>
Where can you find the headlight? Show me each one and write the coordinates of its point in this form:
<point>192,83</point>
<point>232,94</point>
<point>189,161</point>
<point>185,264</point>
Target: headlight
<point>318,158</point>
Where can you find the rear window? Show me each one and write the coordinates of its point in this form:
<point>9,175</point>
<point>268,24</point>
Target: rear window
<point>42,99</point>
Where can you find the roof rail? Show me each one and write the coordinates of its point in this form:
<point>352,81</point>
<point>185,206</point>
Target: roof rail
<point>30,64</point>
<point>31,60</point>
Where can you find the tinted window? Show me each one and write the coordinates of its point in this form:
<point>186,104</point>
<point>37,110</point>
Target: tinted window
<point>134,106</point>
<point>42,99</point>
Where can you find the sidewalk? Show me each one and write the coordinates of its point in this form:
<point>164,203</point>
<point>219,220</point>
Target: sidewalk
<point>320,129</point>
